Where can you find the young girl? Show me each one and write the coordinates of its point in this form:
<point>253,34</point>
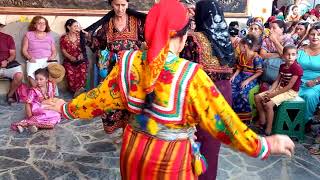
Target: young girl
<point>249,68</point>
<point>285,87</point>
<point>36,116</point>
<point>293,14</point>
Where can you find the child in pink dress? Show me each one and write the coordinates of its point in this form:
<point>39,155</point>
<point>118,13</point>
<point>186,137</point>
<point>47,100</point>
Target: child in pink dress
<point>37,117</point>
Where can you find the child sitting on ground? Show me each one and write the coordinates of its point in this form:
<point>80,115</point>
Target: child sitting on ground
<point>285,87</point>
<point>36,115</point>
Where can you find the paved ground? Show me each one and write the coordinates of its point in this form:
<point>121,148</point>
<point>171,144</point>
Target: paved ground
<point>81,150</point>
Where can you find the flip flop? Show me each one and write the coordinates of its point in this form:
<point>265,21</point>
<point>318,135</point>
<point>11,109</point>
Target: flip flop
<point>10,100</point>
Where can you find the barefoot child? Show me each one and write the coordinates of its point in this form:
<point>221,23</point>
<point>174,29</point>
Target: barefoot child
<point>285,87</point>
<point>36,116</point>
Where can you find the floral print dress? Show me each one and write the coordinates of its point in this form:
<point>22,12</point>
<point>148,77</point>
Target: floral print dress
<point>108,42</point>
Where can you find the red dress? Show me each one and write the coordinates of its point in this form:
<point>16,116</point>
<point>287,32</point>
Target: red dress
<point>76,72</point>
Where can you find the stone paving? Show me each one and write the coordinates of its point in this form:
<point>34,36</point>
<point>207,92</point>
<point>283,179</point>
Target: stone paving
<point>81,150</point>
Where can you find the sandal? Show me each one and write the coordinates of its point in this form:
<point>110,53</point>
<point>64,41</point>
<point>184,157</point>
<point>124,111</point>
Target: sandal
<point>10,100</point>
<point>33,129</point>
<point>20,129</point>
<point>315,149</point>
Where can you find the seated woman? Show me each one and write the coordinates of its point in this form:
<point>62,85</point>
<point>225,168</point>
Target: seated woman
<point>299,35</point>
<point>308,58</point>
<point>38,47</point>
<point>75,60</point>
<point>249,68</point>
<point>272,48</point>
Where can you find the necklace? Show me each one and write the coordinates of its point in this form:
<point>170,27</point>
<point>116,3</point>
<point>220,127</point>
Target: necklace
<point>72,38</point>
<point>44,94</point>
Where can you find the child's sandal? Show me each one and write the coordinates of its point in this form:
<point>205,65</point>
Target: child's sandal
<point>33,129</point>
<point>20,129</point>
<point>10,100</point>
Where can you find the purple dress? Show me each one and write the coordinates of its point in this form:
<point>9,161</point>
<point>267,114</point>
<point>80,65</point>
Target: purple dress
<point>41,118</point>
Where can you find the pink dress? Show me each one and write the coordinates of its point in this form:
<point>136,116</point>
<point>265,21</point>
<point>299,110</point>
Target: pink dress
<point>43,119</point>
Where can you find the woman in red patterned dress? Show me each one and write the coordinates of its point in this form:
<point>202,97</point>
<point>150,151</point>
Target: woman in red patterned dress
<point>75,62</point>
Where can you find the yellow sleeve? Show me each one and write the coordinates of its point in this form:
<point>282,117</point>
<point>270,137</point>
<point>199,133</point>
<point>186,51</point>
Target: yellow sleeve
<point>98,100</point>
<point>209,108</point>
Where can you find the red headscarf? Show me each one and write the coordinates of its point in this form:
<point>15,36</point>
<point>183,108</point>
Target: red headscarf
<point>163,21</point>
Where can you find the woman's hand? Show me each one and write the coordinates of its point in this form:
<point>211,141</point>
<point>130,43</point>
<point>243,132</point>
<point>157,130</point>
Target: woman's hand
<point>4,63</point>
<point>53,104</point>
<point>32,60</point>
<point>273,37</point>
<point>280,144</point>
<point>245,83</point>
<point>311,83</point>
<point>232,78</point>
<point>85,33</point>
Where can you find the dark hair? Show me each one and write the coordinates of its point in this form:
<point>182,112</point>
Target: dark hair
<point>110,1</point>
<point>34,22</point>
<point>314,27</point>
<point>305,16</point>
<point>233,24</point>
<point>291,26</point>
<point>69,22</point>
<point>288,47</point>
<point>42,71</point>
<point>280,23</point>
<point>184,30</point>
<point>305,24</point>
<point>250,40</point>
<point>249,21</point>
<point>233,31</point>
<point>294,6</point>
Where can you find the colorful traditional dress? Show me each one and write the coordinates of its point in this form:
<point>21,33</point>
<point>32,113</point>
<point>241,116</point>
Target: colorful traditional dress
<point>41,118</point>
<point>107,43</point>
<point>240,96</point>
<point>76,72</point>
<point>158,141</point>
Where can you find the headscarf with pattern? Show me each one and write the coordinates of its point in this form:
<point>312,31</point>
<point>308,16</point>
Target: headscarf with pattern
<point>163,21</point>
<point>210,20</point>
